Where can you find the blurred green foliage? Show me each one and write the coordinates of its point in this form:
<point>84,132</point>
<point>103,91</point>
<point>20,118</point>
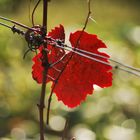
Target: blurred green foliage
<point>109,114</point>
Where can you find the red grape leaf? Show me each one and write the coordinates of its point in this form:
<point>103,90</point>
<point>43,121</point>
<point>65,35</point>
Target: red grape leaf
<point>81,73</point>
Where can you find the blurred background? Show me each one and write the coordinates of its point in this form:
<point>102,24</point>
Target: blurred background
<point>109,114</point>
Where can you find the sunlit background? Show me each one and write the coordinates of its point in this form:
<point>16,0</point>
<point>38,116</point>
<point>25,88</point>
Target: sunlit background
<point>109,114</point>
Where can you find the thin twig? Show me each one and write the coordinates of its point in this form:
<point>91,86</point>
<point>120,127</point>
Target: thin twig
<point>85,24</point>
<point>34,11</point>
<point>49,104</point>
<point>65,129</point>
<point>29,7</point>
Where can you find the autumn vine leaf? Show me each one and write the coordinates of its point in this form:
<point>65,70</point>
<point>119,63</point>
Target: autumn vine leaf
<point>80,74</point>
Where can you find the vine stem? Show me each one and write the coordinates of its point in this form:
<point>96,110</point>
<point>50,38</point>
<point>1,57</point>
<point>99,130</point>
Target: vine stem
<point>45,63</point>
